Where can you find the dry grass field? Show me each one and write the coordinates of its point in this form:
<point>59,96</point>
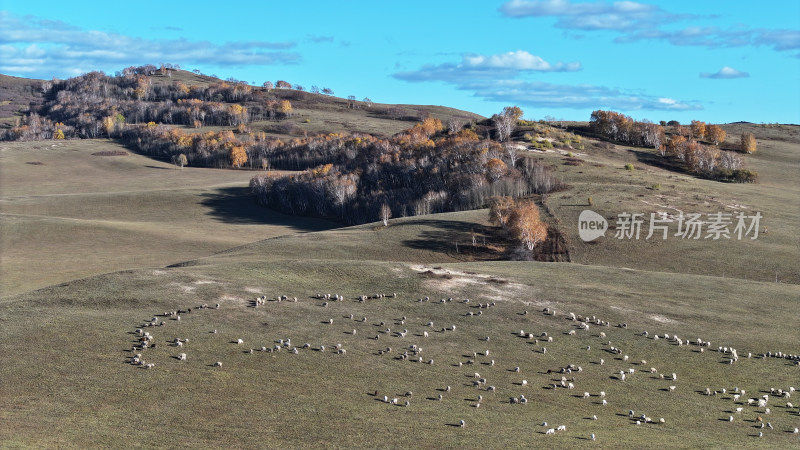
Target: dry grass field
<point>95,247</point>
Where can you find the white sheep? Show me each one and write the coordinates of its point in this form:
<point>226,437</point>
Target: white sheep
<point>550,431</point>
<point>182,357</point>
<point>240,341</point>
<point>218,364</point>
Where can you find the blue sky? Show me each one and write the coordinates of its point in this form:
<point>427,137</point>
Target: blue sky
<point>716,61</point>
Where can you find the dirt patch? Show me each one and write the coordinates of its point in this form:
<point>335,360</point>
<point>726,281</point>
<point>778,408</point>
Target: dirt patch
<point>184,288</point>
<point>497,289</point>
<point>228,298</point>
<point>661,319</point>
<point>110,153</point>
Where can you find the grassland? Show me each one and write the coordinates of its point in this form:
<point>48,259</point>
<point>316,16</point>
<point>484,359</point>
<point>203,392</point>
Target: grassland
<point>94,246</point>
<point>67,213</point>
<point>653,188</point>
<point>72,375</point>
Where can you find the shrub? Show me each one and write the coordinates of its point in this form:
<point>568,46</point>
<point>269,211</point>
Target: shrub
<point>657,187</point>
<point>629,166</point>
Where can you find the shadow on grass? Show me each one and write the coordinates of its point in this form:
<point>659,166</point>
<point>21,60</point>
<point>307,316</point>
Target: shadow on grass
<point>455,238</point>
<point>235,205</point>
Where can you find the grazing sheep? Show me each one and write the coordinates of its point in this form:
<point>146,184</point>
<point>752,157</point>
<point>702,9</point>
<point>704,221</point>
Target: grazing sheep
<point>239,341</point>
<point>550,431</point>
<point>605,402</point>
<point>586,395</point>
<point>182,357</point>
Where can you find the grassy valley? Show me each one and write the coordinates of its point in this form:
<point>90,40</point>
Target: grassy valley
<point>100,244</point>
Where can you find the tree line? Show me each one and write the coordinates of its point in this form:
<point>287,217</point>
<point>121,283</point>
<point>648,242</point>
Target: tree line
<point>685,146</point>
<point>422,170</point>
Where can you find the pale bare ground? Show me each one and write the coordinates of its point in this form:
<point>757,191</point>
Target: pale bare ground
<point>492,287</point>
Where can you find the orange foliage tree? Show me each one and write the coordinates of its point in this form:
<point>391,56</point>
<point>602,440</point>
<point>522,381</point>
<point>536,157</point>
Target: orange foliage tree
<point>526,225</point>
<point>747,142</point>
<point>715,134</point>
<point>698,129</point>
<point>238,156</point>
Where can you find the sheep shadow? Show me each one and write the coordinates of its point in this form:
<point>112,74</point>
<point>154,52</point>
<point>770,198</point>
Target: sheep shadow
<point>455,425</point>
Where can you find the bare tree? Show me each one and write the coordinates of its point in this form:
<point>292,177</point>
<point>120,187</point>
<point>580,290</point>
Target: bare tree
<point>386,214</point>
<point>455,124</point>
<point>512,151</point>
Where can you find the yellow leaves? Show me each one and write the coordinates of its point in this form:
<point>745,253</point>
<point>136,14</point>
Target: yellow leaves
<point>715,134</point>
<point>108,125</point>
<point>698,129</point>
<point>285,107</point>
<point>182,88</point>
<point>467,135</point>
<point>238,156</point>
<point>185,141</point>
<point>321,171</point>
<point>58,134</point>
<point>496,169</point>
<point>748,142</point>
<point>521,218</point>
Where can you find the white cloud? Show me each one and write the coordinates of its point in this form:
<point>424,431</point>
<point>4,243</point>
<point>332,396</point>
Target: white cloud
<point>486,67</point>
<point>640,21</point>
<point>725,73</point>
<point>518,60</point>
<point>46,48</point>
<point>581,96</point>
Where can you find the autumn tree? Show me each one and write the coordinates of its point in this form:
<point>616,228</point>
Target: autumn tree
<point>500,210</point>
<point>281,84</point>
<point>506,121</point>
<point>285,108</point>
<point>268,85</point>
<point>180,160</point>
<point>747,142</point>
<point>715,134</point>
<point>238,156</point>
<point>698,129</point>
<point>526,225</point>
<point>386,214</point>
<point>496,169</point>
